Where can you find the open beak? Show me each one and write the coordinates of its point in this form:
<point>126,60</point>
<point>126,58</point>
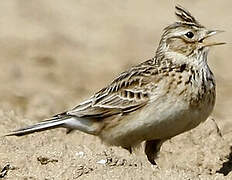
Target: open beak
<point>209,34</point>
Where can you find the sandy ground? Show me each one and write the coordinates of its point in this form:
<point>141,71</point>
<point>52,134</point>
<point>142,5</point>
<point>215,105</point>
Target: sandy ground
<point>54,54</point>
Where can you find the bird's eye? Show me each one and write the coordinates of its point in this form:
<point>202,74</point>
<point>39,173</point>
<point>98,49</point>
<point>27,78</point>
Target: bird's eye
<point>189,34</point>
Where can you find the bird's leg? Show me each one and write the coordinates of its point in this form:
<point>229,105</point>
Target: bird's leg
<point>217,128</point>
<point>152,148</point>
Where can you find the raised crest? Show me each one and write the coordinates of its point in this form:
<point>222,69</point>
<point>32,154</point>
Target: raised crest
<point>185,16</point>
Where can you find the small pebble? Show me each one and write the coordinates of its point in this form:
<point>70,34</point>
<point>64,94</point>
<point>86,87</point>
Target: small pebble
<point>80,154</point>
<point>102,161</point>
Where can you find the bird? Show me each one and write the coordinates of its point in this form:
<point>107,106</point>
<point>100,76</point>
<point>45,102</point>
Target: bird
<point>164,96</point>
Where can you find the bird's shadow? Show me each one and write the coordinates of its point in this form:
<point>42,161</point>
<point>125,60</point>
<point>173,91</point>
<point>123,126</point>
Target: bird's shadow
<point>226,166</point>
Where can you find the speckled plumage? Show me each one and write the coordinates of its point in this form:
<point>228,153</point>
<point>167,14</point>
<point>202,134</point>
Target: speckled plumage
<point>153,101</point>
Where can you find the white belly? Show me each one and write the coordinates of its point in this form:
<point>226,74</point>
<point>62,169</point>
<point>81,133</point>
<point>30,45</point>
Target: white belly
<point>157,121</point>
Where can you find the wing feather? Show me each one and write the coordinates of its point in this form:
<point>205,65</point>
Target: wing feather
<point>126,93</point>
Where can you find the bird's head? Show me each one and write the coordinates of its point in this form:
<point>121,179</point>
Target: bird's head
<point>187,36</point>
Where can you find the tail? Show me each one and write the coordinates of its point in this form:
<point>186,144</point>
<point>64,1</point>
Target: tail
<point>70,122</point>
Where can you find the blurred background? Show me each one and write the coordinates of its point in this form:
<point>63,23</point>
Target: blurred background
<point>56,53</point>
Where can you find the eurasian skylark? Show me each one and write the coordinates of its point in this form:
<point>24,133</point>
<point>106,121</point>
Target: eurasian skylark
<point>153,101</point>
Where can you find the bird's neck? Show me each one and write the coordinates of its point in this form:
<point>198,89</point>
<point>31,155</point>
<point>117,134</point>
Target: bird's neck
<point>195,64</point>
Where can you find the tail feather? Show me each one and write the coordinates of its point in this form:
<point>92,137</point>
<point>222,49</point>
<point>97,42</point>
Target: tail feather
<point>42,126</point>
<point>69,122</point>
